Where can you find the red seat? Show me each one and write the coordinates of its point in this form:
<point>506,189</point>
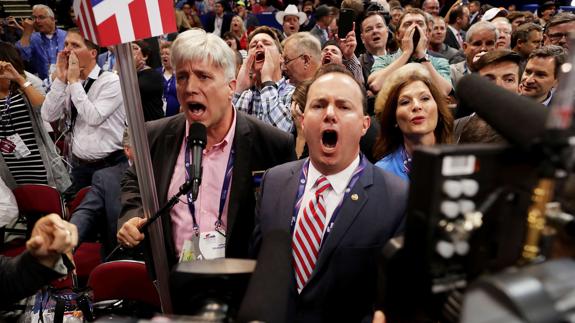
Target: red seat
<point>34,201</point>
<point>72,205</point>
<point>123,279</point>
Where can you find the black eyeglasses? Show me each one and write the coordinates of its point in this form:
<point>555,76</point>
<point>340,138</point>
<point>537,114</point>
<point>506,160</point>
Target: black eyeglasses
<point>287,61</point>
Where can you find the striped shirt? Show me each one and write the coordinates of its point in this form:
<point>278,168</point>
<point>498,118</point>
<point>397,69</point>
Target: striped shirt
<point>16,119</point>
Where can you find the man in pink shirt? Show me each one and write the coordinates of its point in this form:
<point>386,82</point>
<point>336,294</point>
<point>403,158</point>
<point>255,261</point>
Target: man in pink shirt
<point>219,223</point>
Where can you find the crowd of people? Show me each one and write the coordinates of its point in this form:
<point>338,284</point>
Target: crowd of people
<point>333,122</point>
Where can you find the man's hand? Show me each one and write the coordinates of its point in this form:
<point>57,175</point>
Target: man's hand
<point>11,21</point>
<point>407,40</point>
<point>297,116</point>
<point>378,317</point>
<point>271,63</point>
<point>73,68</point>
<point>28,26</point>
<point>129,235</point>
<point>52,237</point>
<point>62,66</point>
<point>244,81</point>
<point>348,44</point>
<point>421,48</point>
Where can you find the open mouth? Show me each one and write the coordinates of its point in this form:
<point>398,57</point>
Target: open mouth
<point>329,138</point>
<point>196,108</point>
<point>326,60</point>
<point>260,56</point>
<point>377,38</point>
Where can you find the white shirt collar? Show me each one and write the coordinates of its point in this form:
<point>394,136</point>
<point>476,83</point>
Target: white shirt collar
<point>338,181</point>
<point>95,72</point>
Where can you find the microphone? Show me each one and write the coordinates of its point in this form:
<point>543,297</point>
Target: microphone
<point>267,296</point>
<point>197,139</point>
<point>518,119</point>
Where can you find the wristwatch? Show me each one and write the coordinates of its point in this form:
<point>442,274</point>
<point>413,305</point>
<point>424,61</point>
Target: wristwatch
<point>420,60</point>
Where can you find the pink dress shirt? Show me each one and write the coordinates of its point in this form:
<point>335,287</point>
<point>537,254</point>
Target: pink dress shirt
<point>215,160</point>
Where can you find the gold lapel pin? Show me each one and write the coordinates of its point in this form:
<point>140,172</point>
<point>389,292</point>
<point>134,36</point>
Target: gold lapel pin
<point>354,197</point>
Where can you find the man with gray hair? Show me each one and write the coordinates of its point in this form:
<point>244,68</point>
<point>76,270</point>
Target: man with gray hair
<point>480,38</point>
<point>238,148</point>
<point>301,57</point>
<point>41,41</point>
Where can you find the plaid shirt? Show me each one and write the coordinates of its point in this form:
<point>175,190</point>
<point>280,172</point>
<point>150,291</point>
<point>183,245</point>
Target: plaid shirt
<point>354,66</point>
<point>268,104</point>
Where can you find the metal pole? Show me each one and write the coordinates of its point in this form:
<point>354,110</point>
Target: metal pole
<point>144,170</point>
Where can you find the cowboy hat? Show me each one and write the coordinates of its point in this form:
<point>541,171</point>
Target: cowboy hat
<point>291,10</point>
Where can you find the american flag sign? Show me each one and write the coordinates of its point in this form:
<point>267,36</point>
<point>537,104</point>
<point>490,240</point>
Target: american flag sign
<point>111,22</point>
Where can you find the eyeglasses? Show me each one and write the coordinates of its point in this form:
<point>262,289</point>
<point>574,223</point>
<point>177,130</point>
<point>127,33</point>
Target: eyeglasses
<point>38,17</point>
<point>558,36</point>
<point>287,61</point>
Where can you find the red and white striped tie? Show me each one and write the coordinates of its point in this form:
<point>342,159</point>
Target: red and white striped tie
<point>309,230</point>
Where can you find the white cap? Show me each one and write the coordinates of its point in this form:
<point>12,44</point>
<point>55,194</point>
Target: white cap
<point>492,13</point>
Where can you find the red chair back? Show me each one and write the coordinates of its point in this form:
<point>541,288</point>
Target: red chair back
<point>39,199</point>
<point>72,205</point>
<point>123,279</point>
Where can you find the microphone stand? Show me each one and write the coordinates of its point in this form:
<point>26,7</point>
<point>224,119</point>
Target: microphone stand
<point>185,188</point>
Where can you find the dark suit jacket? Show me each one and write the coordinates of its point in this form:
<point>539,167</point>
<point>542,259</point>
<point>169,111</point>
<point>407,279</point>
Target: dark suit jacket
<point>22,276</point>
<point>342,287</point>
<point>209,27</point>
<point>258,147</point>
<point>451,39</point>
<point>100,209</point>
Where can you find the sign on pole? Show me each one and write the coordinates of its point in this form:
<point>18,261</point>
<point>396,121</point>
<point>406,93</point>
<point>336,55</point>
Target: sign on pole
<point>111,22</point>
<point>119,22</point>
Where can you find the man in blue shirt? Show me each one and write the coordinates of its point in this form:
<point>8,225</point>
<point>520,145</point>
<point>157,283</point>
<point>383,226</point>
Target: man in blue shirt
<point>41,41</point>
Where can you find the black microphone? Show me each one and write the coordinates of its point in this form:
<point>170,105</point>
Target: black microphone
<point>197,141</point>
<point>267,296</point>
<point>518,119</point>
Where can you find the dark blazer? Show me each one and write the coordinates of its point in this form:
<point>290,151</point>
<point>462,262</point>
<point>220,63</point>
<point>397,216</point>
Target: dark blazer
<point>22,276</point>
<point>258,147</point>
<point>451,39</point>
<point>100,209</point>
<point>342,287</point>
<point>211,20</point>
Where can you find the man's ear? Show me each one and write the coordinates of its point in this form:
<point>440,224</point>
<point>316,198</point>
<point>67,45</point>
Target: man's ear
<point>232,85</point>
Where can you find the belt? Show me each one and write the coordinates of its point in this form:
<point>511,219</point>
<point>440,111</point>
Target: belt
<point>109,160</point>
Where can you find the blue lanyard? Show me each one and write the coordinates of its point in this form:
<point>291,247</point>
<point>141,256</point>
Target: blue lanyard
<point>300,192</point>
<point>223,195</point>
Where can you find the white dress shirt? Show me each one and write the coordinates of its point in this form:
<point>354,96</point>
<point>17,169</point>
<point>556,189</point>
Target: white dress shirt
<point>101,116</point>
<point>338,181</point>
<point>8,206</point>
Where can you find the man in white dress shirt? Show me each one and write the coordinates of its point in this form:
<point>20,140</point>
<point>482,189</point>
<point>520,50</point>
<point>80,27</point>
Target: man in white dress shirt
<point>90,101</point>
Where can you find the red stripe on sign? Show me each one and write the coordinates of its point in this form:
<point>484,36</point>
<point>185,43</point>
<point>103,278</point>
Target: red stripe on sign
<point>140,20</point>
<point>83,18</point>
<point>92,24</point>
<point>168,15</point>
<point>109,33</point>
